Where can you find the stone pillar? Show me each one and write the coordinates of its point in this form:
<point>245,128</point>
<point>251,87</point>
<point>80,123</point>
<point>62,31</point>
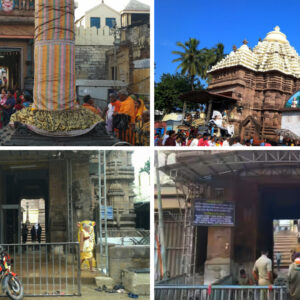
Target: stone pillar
<point>57,201</point>
<point>219,249</point>
<point>29,63</point>
<point>82,189</point>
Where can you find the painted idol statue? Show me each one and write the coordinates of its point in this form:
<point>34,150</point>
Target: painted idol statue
<point>86,238</point>
<point>7,5</point>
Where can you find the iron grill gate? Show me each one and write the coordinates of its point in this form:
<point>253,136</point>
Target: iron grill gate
<point>51,269</point>
<point>220,292</point>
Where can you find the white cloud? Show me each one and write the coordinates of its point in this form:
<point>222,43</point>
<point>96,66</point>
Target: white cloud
<point>85,5</point>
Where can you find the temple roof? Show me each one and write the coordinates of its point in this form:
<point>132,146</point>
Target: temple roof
<point>274,53</point>
<point>135,5</point>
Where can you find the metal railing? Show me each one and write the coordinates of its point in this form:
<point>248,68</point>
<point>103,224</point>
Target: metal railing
<point>220,292</point>
<point>51,269</point>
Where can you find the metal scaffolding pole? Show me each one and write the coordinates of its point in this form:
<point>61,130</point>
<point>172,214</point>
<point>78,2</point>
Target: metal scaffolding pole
<point>103,204</point>
<point>105,207</point>
<point>160,219</point>
<point>100,204</point>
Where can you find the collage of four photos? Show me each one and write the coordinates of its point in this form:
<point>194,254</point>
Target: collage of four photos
<point>92,204</point>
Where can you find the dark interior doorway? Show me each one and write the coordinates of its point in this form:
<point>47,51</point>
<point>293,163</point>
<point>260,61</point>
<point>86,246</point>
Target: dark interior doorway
<point>22,184</point>
<point>276,203</point>
<point>201,248</point>
<point>10,60</point>
<point>10,215</point>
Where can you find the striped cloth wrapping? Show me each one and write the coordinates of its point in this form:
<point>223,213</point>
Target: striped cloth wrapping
<point>54,54</point>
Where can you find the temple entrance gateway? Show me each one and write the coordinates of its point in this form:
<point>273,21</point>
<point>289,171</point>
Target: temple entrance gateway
<point>260,187</point>
<point>10,59</point>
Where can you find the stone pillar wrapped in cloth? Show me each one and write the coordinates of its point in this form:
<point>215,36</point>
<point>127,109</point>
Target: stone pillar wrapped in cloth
<point>54,111</point>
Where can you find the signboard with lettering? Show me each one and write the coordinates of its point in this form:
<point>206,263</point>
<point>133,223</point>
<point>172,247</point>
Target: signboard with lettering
<point>214,213</point>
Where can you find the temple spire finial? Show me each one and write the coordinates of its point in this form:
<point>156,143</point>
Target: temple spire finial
<point>277,28</point>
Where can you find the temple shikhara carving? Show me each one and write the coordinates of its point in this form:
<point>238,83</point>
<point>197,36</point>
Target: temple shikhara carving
<point>264,83</point>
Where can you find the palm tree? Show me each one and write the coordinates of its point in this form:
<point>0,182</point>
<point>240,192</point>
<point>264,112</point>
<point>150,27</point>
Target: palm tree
<point>219,51</point>
<point>190,62</point>
<point>209,58</point>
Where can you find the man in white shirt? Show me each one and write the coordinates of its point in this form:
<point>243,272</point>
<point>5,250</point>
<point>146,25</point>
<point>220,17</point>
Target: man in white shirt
<point>195,141</point>
<point>226,142</point>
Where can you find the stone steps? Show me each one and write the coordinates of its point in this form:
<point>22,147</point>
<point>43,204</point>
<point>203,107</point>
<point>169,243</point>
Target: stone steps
<point>284,241</point>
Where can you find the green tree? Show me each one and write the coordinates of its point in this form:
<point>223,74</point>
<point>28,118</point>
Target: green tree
<point>146,168</point>
<point>189,59</point>
<point>168,90</point>
<point>209,58</point>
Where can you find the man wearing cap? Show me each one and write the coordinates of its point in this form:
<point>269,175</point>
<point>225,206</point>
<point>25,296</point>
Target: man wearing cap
<point>294,278</point>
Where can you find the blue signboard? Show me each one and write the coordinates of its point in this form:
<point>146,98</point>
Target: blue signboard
<point>214,213</point>
<point>110,213</point>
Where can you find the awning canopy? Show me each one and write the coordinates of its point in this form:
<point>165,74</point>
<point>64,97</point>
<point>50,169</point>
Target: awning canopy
<point>198,166</point>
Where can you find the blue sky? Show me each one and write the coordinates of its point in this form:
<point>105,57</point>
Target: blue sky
<point>225,21</point>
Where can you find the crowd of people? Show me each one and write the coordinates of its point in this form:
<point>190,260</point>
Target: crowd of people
<point>126,116</point>
<point>10,102</point>
<point>170,138</point>
<point>195,130</point>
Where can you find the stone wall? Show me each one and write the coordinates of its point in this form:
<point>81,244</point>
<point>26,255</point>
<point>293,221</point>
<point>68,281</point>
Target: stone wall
<point>127,257</point>
<point>93,36</point>
<point>91,62</point>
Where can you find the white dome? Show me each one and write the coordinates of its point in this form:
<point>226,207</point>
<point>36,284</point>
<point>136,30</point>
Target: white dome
<point>273,53</point>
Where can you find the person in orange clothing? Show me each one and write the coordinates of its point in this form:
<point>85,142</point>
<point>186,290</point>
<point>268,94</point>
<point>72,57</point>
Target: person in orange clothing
<point>89,104</point>
<point>127,108</point>
<point>140,108</point>
<point>113,97</point>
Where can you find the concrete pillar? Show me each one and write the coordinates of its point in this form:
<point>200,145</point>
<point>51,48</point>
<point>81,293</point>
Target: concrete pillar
<point>219,253</point>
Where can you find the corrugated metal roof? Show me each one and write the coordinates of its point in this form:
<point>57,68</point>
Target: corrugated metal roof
<point>197,166</point>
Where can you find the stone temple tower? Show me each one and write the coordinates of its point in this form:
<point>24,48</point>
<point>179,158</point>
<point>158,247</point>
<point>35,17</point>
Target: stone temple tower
<point>119,184</point>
